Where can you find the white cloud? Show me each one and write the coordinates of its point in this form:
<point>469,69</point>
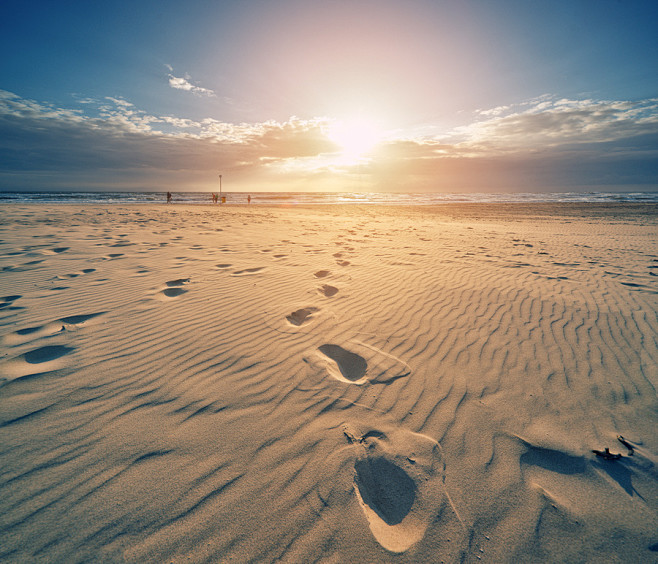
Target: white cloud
<point>122,141</point>
<point>552,123</point>
<point>553,143</point>
<point>119,102</point>
<point>181,83</point>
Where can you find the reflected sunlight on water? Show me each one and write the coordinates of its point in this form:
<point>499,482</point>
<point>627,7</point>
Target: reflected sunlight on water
<point>311,198</point>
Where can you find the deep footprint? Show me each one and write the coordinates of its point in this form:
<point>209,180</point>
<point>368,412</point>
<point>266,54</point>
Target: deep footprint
<point>72,322</point>
<point>386,488</point>
<point>327,290</point>
<point>78,319</point>
<point>174,288</point>
<point>37,362</point>
<point>398,482</point>
<point>300,316</point>
<point>356,363</point>
<point>173,292</point>
<point>352,366</point>
<point>46,354</point>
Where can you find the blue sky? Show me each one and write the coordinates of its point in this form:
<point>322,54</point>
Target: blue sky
<point>333,95</point>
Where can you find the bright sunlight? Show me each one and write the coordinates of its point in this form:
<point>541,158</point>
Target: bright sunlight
<point>355,137</point>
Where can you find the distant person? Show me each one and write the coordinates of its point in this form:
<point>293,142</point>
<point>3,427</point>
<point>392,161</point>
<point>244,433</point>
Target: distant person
<point>249,199</point>
<point>214,198</point>
<point>168,197</point>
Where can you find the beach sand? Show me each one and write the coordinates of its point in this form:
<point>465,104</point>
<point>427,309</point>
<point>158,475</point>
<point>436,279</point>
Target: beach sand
<point>333,384</point>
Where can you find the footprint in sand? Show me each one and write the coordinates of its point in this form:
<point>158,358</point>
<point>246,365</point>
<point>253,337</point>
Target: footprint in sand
<point>174,287</point>
<point>26,266</point>
<point>46,354</point>
<point>327,290</point>
<point>7,301</point>
<point>352,367</point>
<point>322,273</point>
<point>78,320</point>
<point>70,323</point>
<point>356,363</point>
<point>38,361</point>
<point>111,256</point>
<point>398,481</point>
<point>247,271</point>
<point>301,316</point>
<point>74,274</point>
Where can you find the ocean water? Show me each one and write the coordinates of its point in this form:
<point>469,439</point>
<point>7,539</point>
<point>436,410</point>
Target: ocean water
<point>310,198</point>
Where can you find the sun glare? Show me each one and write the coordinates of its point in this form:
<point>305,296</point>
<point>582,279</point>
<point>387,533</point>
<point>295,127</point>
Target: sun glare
<point>355,137</point>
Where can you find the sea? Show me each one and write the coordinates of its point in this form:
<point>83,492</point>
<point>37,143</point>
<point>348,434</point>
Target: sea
<point>312,198</point>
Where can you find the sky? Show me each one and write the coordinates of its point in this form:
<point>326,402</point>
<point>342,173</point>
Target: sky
<point>330,95</point>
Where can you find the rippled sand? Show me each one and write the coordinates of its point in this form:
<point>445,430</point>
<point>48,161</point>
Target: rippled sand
<point>340,383</point>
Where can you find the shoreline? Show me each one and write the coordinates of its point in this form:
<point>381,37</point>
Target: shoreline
<point>576,209</point>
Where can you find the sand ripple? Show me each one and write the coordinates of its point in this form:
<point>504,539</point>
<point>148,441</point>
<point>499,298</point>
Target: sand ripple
<point>342,385</point>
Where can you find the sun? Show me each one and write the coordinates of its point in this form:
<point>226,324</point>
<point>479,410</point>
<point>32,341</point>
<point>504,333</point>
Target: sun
<point>355,137</point>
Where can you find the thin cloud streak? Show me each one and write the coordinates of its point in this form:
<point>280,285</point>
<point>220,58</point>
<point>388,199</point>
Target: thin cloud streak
<point>183,83</point>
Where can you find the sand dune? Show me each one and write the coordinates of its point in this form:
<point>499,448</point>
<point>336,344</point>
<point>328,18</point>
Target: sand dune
<point>339,384</point>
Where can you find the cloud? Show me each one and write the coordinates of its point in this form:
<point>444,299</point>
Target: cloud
<point>543,144</point>
<point>119,102</point>
<point>547,144</point>
<point>55,148</point>
<point>548,123</point>
<point>183,83</point>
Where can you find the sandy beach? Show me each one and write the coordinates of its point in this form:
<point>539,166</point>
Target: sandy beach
<point>328,384</point>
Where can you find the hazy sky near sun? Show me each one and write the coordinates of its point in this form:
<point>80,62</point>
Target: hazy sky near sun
<point>413,95</point>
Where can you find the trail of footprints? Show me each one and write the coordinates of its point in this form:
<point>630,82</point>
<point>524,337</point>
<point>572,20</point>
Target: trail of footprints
<point>397,475</point>
<point>49,353</point>
<point>46,358</point>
